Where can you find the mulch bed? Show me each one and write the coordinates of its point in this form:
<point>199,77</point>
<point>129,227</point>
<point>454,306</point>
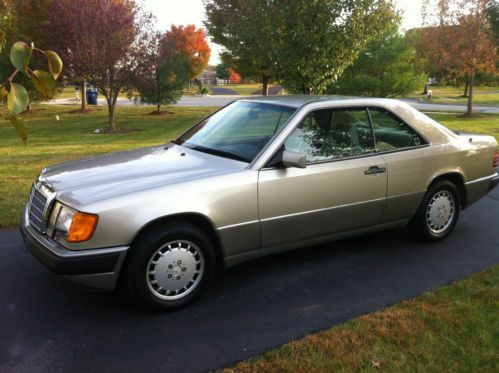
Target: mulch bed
<point>80,111</point>
<point>155,112</point>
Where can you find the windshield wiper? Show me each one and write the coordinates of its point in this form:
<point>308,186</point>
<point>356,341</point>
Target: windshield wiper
<point>221,153</point>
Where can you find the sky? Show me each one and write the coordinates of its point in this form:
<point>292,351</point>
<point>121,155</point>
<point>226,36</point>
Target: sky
<point>182,12</point>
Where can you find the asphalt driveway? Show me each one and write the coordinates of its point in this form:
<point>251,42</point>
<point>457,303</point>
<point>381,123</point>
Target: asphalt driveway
<point>47,325</point>
<point>217,91</point>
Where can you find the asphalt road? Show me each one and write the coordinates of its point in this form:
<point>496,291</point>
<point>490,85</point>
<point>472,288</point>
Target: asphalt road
<point>47,325</point>
<point>221,100</point>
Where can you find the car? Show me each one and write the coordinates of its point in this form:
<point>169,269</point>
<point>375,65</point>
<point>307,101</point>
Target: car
<point>260,176</point>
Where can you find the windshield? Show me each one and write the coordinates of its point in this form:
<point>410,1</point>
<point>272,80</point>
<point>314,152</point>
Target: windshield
<point>238,131</point>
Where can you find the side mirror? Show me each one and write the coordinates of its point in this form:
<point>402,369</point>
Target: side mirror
<point>294,159</point>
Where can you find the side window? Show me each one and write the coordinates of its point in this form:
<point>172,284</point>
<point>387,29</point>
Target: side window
<point>391,133</point>
<point>332,134</point>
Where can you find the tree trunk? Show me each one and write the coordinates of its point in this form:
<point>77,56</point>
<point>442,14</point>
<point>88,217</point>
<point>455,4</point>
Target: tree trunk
<point>425,90</point>
<point>158,90</point>
<point>306,90</point>
<point>466,88</point>
<point>265,85</point>
<point>83,95</point>
<point>111,106</point>
<point>471,80</point>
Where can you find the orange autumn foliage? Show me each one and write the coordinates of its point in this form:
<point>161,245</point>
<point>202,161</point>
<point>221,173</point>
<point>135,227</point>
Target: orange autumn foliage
<point>233,76</point>
<point>189,41</point>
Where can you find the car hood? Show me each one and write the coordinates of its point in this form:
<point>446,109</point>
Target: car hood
<point>89,180</point>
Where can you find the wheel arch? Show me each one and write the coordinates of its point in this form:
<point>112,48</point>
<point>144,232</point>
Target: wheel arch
<point>196,219</point>
<point>457,179</point>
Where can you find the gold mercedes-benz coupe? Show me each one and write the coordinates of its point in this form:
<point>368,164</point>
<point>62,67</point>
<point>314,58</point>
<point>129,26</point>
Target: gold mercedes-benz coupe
<point>259,176</point>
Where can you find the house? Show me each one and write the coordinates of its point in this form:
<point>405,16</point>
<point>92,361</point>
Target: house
<point>208,76</point>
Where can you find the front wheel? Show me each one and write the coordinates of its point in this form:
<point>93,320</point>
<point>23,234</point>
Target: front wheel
<point>170,266</point>
<point>438,213</point>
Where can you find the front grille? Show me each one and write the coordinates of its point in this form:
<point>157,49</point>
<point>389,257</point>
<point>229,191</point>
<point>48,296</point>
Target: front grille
<point>37,209</point>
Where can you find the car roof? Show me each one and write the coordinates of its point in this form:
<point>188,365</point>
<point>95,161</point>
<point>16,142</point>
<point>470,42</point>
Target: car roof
<point>297,101</point>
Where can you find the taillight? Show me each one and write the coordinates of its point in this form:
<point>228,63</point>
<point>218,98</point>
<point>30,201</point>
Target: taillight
<point>495,162</point>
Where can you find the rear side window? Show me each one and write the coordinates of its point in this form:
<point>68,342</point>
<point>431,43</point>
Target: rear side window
<point>391,133</point>
<point>331,134</point>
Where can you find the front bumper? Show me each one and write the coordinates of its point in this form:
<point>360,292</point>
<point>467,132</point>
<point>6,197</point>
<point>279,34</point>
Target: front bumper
<point>96,268</point>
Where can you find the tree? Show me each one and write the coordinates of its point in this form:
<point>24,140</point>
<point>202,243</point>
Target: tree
<point>458,39</point>
<point>103,42</point>
<point>245,29</point>
<point>386,68</point>
<point>303,44</point>
<point>190,42</point>
<point>6,9</point>
<point>21,20</point>
<point>30,16</point>
<point>227,73</point>
<point>222,71</point>
<point>162,79</point>
<point>319,39</point>
<point>26,72</point>
<point>493,16</point>
<point>233,76</point>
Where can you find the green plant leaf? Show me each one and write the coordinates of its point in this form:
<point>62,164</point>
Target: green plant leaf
<point>17,99</point>
<point>20,127</point>
<point>55,63</point>
<point>20,53</point>
<point>3,93</point>
<point>44,83</point>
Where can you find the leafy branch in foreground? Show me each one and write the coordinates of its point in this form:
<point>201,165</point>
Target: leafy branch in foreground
<point>43,81</point>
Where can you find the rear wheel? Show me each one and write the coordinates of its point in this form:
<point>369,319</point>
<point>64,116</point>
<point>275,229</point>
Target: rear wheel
<point>438,213</point>
<point>170,266</point>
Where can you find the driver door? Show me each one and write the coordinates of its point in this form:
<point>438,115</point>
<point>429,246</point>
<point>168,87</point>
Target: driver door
<point>342,188</point>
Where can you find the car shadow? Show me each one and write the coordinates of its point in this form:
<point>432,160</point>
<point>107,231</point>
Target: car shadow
<point>248,277</point>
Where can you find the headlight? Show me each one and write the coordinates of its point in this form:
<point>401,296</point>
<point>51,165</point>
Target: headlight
<point>74,226</point>
<point>64,219</point>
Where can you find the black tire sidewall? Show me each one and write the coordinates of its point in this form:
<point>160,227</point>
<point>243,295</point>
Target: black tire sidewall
<point>419,224</point>
<point>147,245</point>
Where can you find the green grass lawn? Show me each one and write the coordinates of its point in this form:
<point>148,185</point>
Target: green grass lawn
<point>453,329</point>
<point>453,95</point>
<point>67,92</point>
<point>71,137</point>
<point>480,123</point>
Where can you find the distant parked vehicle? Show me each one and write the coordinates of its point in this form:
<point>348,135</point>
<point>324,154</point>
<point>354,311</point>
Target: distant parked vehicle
<point>260,176</point>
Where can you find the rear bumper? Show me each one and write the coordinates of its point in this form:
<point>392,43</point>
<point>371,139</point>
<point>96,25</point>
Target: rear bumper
<point>494,182</point>
<point>96,268</point>
<point>476,189</point>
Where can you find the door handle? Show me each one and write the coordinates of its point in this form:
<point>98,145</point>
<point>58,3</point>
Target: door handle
<point>373,170</point>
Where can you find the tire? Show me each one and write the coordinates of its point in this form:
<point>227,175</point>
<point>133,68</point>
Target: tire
<point>438,213</point>
<point>169,267</point>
